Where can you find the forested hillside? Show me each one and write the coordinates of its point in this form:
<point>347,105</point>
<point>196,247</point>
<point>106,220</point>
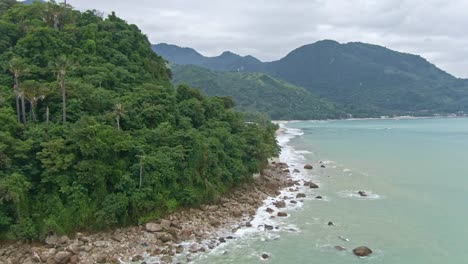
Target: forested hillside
<point>258,92</point>
<point>93,134</point>
<point>363,79</point>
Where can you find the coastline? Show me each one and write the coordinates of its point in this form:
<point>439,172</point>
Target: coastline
<point>183,235</point>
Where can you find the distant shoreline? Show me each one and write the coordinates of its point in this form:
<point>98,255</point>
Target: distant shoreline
<point>370,118</point>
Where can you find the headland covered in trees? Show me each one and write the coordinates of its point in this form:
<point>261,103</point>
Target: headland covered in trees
<point>93,134</point>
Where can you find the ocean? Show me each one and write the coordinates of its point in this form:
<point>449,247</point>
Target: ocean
<point>414,171</point>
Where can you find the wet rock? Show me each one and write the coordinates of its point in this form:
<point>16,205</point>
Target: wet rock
<point>293,202</point>
<point>248,224</point>
<point>268,227</point>
<point>313,185</point>
<point>362,193</point>
<point>222,240</point>
<point>179,249</point>
<point>280,204</point>
<point>322,166</point>
<point>282,165</point>
<point>153,227</point>
<point>287,171</point>
<point>330,223</point>
<point>137,258</point>
<point>318,197</point>
<point>62,257</point>
<point>282,214</point>
<point>269,210</point>
<point>308,167</point>
<point>296,171</point>
<point>265,256</point>
<point>166,259</point>
<point>362,251</point>
<point>340,248</point>
<point>300,195</point>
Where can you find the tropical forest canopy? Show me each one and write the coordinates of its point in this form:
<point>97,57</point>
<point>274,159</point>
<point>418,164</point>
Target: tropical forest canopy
<point>94,135</point>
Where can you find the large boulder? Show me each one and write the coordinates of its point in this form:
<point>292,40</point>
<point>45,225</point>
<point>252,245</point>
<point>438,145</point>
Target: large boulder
<point>153,227</point>
<point>280,204</point>
<point>362,251</point>
<point>308,167</point>
<point>62,257</point>
<point>166,224</point>
<point>300,195</point>
<point>51,239</point>
<point>313,185</point>
<point>282,214</point>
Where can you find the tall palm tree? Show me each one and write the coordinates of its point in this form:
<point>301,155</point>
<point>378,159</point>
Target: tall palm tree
<point>18,68</point>
<point>61,66</point>
<point>33,92</point>
<point>118,112</point>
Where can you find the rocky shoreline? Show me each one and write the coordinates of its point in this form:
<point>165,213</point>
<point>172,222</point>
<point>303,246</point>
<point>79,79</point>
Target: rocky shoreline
<point>178,237</point>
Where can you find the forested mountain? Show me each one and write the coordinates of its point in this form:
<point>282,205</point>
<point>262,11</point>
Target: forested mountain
<point>227,61</point>
<point>366,80</point>
<point>257,92</point>
<point>93,134</point>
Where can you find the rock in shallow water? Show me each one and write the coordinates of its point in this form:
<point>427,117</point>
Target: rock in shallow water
<point>362,193</point>
<point>280,204</point>
<point>300,195</point>
<point>308,167</point>
<point>362,251</point>
<point>265,256</point>
<point>282,214</point>
<point>340,248</point>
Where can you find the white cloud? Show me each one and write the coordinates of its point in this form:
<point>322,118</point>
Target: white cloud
<point>269,29</point>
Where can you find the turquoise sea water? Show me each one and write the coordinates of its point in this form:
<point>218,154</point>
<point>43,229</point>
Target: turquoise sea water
<point>416,174</point>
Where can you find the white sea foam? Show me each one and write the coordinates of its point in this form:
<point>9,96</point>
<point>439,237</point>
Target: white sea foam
<point>294,159</point>
<point>355,194</point>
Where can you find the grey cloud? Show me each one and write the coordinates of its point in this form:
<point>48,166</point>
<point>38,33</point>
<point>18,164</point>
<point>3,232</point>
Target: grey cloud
<point>269,29</point>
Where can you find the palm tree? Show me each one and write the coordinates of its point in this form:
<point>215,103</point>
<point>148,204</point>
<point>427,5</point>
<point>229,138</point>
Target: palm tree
<point>118,112</point>
<point>61,66</point>
<point>18,68</point>
<point>33,92</point>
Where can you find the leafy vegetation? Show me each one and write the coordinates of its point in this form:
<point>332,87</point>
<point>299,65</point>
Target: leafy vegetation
<point>365,80</point>
<point>257,92</point>
<point>93,134</point>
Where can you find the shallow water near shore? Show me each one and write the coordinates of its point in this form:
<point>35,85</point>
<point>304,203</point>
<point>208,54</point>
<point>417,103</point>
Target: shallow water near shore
<point>416,177</point>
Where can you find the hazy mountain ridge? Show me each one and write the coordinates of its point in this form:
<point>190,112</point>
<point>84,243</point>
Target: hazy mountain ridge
<point>257,92</point>
<point>365,79</point>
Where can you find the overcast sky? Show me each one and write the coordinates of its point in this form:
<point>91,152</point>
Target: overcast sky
<point>269,29</point>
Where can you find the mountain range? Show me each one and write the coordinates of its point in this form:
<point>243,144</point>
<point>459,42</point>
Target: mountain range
<point>361,79</point>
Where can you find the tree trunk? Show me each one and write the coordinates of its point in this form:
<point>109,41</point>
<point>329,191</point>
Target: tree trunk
<point>23,110</point>
<point>64,99</point>
<point>118,122</point>
<point>18,109</point>
<point>15,89</point>
<point>47,116</point>
<point>32,112</point>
